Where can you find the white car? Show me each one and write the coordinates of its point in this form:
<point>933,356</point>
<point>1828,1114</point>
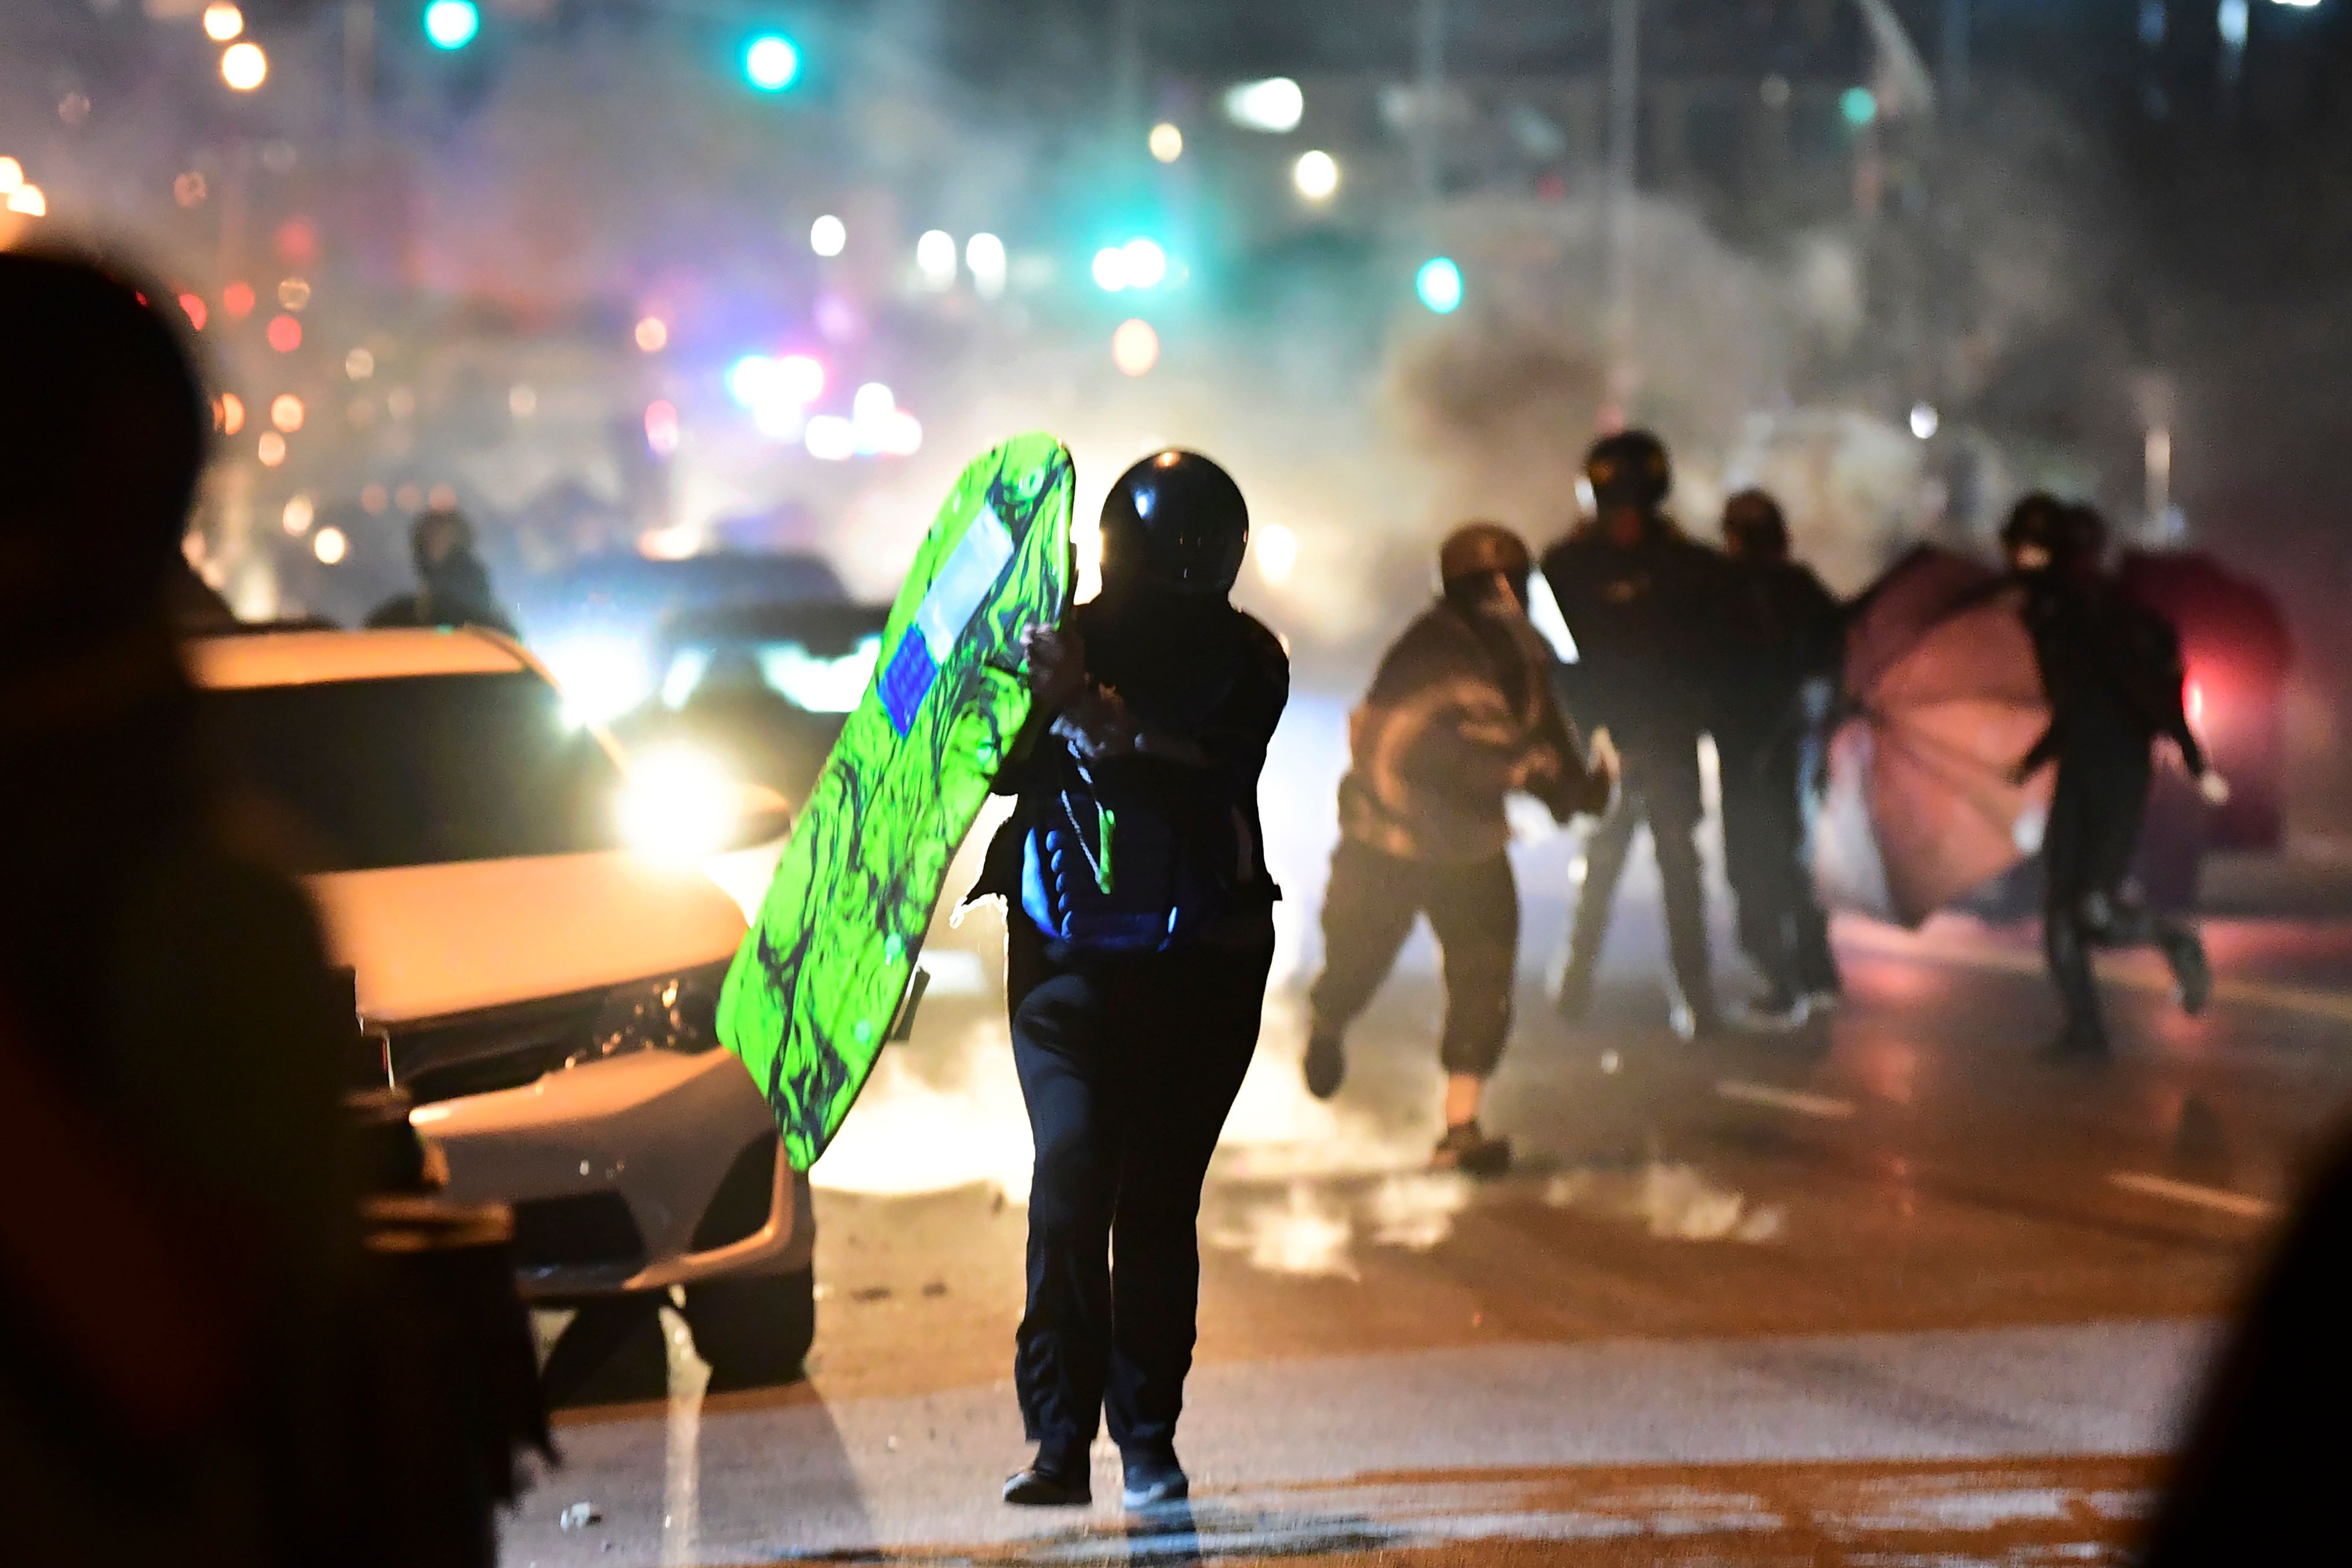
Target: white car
<point>545,989</point>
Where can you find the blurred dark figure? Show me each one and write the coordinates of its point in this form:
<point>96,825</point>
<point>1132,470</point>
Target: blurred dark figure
<point>1770,732</point>
<point>1139,931</point>
<point>1648,608</point>
<point>195,606</point>
<point>172,1046</point>
<point>2111,668</point>
<point>452,585</point>
<point>1460,715</point>
<point>2261,1477</point>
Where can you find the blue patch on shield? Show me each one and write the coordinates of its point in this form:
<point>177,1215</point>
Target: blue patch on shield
<point>906,680</point>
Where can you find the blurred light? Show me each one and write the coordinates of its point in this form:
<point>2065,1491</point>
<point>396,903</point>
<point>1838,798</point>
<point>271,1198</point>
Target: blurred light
<point>1317,175</point>
<point>831,438</point>
<point>873,403</point>
<point>442,498</point>
<point>653,334</point>
<point>189,189</point>
<point>2152,20</point>
<point>223,21</point>
<point>779,418</point>
<point>1439,284</point>
<point>749,379</point>
<point>603,675</point>
<point>679,541</point>
<point>359,364</point>
<point>1277,548</point>
<point>74,107</point>
<point>935,255</point>
<point>238,300</point>
<point>298,515</point>
<point>1167,142</point>
<point>12,174</point>
<point>2299,4</point>
<point>772,62</point>
<point>293,294</point>
<point>1134,347</point>
<point>799,379</point>
<point>1860,105</point>
<point>2193,700</point>
<point>286,412</point>
<point>329,546</point>
<point>1543,614</point>
<point>828,235</point>
<point>408,497</point>
<point>1110,270</point>
<point>2233,19</point>
<point>522,401</point>
<point>902,434</point>
<point>400,402</point>
<point>984,255</point>
<point>1275,105</point>
<point>285,334</point>
<point>29,201</point>
<point>244,67</point>
<point>271,449</point>
<point>452,24</point>
<point>1146,263</point>
<point>193,305</point>
<point>661,427</point>
<point>372,500</point>
<point>678,804</point>
<point>232,414</point>
<point>1925,421</point>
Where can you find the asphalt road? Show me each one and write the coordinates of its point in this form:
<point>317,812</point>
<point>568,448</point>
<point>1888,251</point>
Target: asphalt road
<point>1885,1290</point>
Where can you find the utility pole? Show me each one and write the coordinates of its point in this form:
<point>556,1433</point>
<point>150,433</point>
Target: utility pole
<point>1429,62</point>
<point>1625,132</point>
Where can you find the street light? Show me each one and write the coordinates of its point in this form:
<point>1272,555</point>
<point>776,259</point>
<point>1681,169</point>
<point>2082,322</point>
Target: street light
<point>244,67</point>
<point>1317,175</point>
<point>452,24</point>
<point>771,62</point>
<point>223,21</point>
<point>1439,284</point>
<point>1167,142</point>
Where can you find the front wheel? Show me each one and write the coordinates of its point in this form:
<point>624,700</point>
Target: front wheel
<point>753,1330</point>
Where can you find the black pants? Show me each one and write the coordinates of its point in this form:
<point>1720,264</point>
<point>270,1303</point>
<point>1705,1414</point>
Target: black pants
<point>1129,1066</point>
<point>1767,857</point>
<point>1474,911</point>
<point>2086,852</point>
<point>1660,786</point>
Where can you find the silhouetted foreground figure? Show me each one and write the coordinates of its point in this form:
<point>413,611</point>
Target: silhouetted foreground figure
<point>1140,930</point>
<point>2261,1477</point>
<point>452,586</point>
<point>189,1361</point>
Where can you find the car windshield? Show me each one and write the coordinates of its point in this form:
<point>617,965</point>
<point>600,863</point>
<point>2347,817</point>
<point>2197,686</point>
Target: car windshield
<point>819,658</point>
<point>417,770</point>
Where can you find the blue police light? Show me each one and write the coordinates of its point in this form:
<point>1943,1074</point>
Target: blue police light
<point>452,24</point>
<point>1439,284</point>
<point>771,62</point>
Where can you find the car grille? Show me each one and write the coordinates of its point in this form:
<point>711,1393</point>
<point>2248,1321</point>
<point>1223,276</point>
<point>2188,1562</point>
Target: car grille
<point>586,1231</point>
<point>497,1048</point>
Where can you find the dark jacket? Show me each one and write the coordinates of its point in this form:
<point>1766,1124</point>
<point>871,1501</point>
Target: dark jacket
<point>2111,668</point>
<point>455,592</point>
<point>1212,676</point>
<point>1458,714</point>
<point>1788,636</point>
<point>1650,626</point>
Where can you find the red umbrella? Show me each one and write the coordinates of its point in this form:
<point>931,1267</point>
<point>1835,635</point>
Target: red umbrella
<point>1946,699</point>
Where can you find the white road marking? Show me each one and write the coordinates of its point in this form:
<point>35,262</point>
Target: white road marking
<point>2220,1200</point>
<point>1817,1105</point>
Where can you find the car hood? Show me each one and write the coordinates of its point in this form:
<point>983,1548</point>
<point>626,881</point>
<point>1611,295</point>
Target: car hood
<point>434,939</point>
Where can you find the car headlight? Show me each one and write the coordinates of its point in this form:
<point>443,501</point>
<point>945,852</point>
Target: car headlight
<point>678,805</point>
<point>675,1012</point>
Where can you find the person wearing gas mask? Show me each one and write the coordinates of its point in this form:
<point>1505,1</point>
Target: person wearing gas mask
<point>2111,668</point>
<point>1140,936</point>
<point>1649,609</point>
<point>1768,730</point>
<point>1460,715</point>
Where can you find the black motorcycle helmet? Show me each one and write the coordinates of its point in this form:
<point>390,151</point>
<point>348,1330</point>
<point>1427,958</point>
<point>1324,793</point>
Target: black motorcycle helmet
<point>1178,520</point>
<point>2082,538</point>
<point>1754,527</point>
<point>1629,469</point>
<point>1475,554</point>
<point>2033,537</point>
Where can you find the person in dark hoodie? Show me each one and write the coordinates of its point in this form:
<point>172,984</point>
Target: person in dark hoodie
<point>452,585</point>
<point>1139,934</point>
<point>1460,715</point>
<point>1649,609</point>
<point>1767,728</point>
<point>2111,668</point>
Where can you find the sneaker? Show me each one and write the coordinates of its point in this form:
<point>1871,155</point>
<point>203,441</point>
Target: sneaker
<point>1774,1013</point>
<point>2192,975</point>
<point>1468,1149</point>
<point>1046,1483</point>
<point>1152,1480</point>
<point>1325,1065</point>
<point>1694,1024</point>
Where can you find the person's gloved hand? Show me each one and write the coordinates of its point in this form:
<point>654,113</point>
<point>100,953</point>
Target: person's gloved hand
<point>2214,787</point>
<point>1097,725</point>
<point>1055,664</point>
